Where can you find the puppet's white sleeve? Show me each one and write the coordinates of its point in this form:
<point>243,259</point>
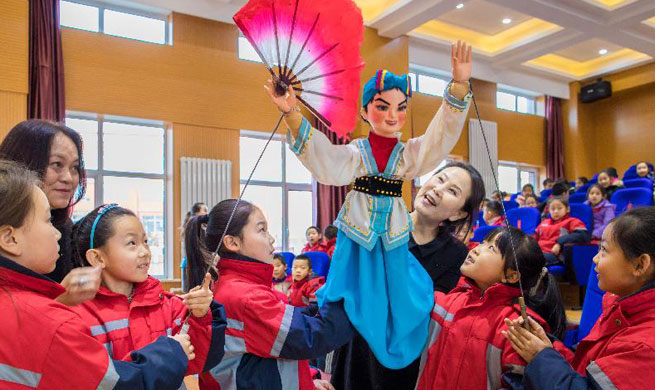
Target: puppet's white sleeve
<point>330,164</point>
<point>423,154</point>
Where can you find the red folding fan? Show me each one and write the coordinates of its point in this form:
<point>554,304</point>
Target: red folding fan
<point>312,45</point>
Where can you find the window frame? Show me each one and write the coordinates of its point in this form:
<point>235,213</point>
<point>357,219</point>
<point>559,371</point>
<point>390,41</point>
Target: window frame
<point>283,184</point>
<point>414,72</point>
<point>99,174</point>
<point>532,101</point>
<point>102,6</point>
<point>521,168</point>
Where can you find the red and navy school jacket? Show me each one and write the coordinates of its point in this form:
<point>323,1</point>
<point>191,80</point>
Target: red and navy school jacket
<point>318,247</point>
<point>267,341</point>
<point>330,245</point>
<point>465,348</point>
<point>45,345</point>
<point>303,293</point>
<point>618,353</point>
<point>568,229</point>
<point>125,324</point>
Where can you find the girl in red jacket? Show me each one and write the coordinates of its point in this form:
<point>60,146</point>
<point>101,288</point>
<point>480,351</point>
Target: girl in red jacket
<point>131,308</point>
<point>266,341</point>
<point>619,351</point>
<point>465,348</point>
<point>559,229</point>
<point>43,344</point>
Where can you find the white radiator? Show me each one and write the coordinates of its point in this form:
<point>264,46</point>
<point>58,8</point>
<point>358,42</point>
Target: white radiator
<point>478,156</point>
<point>204,180</point>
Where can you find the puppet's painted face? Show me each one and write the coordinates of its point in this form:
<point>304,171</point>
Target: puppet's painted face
<point>387,112</point>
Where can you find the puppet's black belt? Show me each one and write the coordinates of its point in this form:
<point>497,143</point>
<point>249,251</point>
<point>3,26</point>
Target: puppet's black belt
<point>379,186</point>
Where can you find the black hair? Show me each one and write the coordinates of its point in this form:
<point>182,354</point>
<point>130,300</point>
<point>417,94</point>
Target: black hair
<point>547,181</point>
<point>546,300</point>
<point>278,256</point>
<point>561,187</point>
<point>304,257</point>
<point>330,232</point>
<point>472,203</point>
<point>495,206</point>
<point>196,207</point>
<point>528,185</point>
<point>201,243</point>
<point>81,235</point>
<point>583,179</point>
<point>563,200</point>
<point>612,173</point>
<point>315,228</point>
<point>633,232</point>
<point>29,143</point>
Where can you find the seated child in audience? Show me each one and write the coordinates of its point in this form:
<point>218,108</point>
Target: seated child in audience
<point>314,240</point>
<point>605,181</point>
<point>559,189</point>
<point>281,281</point>
<point>493,214</point>
<point>614,176</point>
<point>466,349</point>
<point>303,289</point>
<point>464,234</point>
<point>560,228</point>
<point>619,351</point>
<point>527,189</point>
<point>581,181</point>
<point>497,196</point>
<point>267,341</point>
<point>643,170</point>
<point>602,208</point>
<point>131,309</point>
<point>330,234</point>
<point>531,201</point>
<point>548,183</point>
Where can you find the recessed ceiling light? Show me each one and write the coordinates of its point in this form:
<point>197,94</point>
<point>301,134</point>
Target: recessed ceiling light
<point>602,52</point>
<point>507,21</point>
<point>460,6</point>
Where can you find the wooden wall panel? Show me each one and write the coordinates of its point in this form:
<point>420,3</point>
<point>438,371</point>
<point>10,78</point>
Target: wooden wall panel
<point>13,109</point>
<point>13,45</point>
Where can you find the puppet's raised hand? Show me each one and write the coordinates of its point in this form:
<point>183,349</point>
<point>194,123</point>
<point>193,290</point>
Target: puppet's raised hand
<point>461,61</point>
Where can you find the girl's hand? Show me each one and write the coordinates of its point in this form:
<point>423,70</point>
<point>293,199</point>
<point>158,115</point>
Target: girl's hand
<point>81,285</point>
<point>185,342</point>
<point>284,103</point>
<point>198,299</point>
<point>526,343</point>
<point>320,384</point>
<point>557,249</point>
<point>461,61</point>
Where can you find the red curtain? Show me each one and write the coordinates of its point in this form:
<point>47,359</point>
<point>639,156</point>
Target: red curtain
<point>46,65</point>
<point>329,198</point>
<point>555,138</point>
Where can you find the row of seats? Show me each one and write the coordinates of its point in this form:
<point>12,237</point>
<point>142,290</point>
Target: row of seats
<point>320,262</point>
<point>624,199</point>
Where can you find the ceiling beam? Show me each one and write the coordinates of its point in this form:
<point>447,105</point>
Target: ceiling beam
<point>411,14</point>
<point>539,47</point>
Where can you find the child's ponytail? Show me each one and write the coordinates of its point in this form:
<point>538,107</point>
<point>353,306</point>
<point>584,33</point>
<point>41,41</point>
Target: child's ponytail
<point>197,254</point>
<point>545,299</point>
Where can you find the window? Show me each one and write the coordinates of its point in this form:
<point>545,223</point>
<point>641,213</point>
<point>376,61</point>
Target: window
<point>281,186</point>
<point>512,177</point>
<point>126,164</point>
<point>427,83</point>
<point>97,16</point>
<point>247,51</point>
<point>506,100</point>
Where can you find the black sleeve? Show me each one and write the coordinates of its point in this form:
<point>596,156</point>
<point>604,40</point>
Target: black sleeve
<point>576,236</point>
